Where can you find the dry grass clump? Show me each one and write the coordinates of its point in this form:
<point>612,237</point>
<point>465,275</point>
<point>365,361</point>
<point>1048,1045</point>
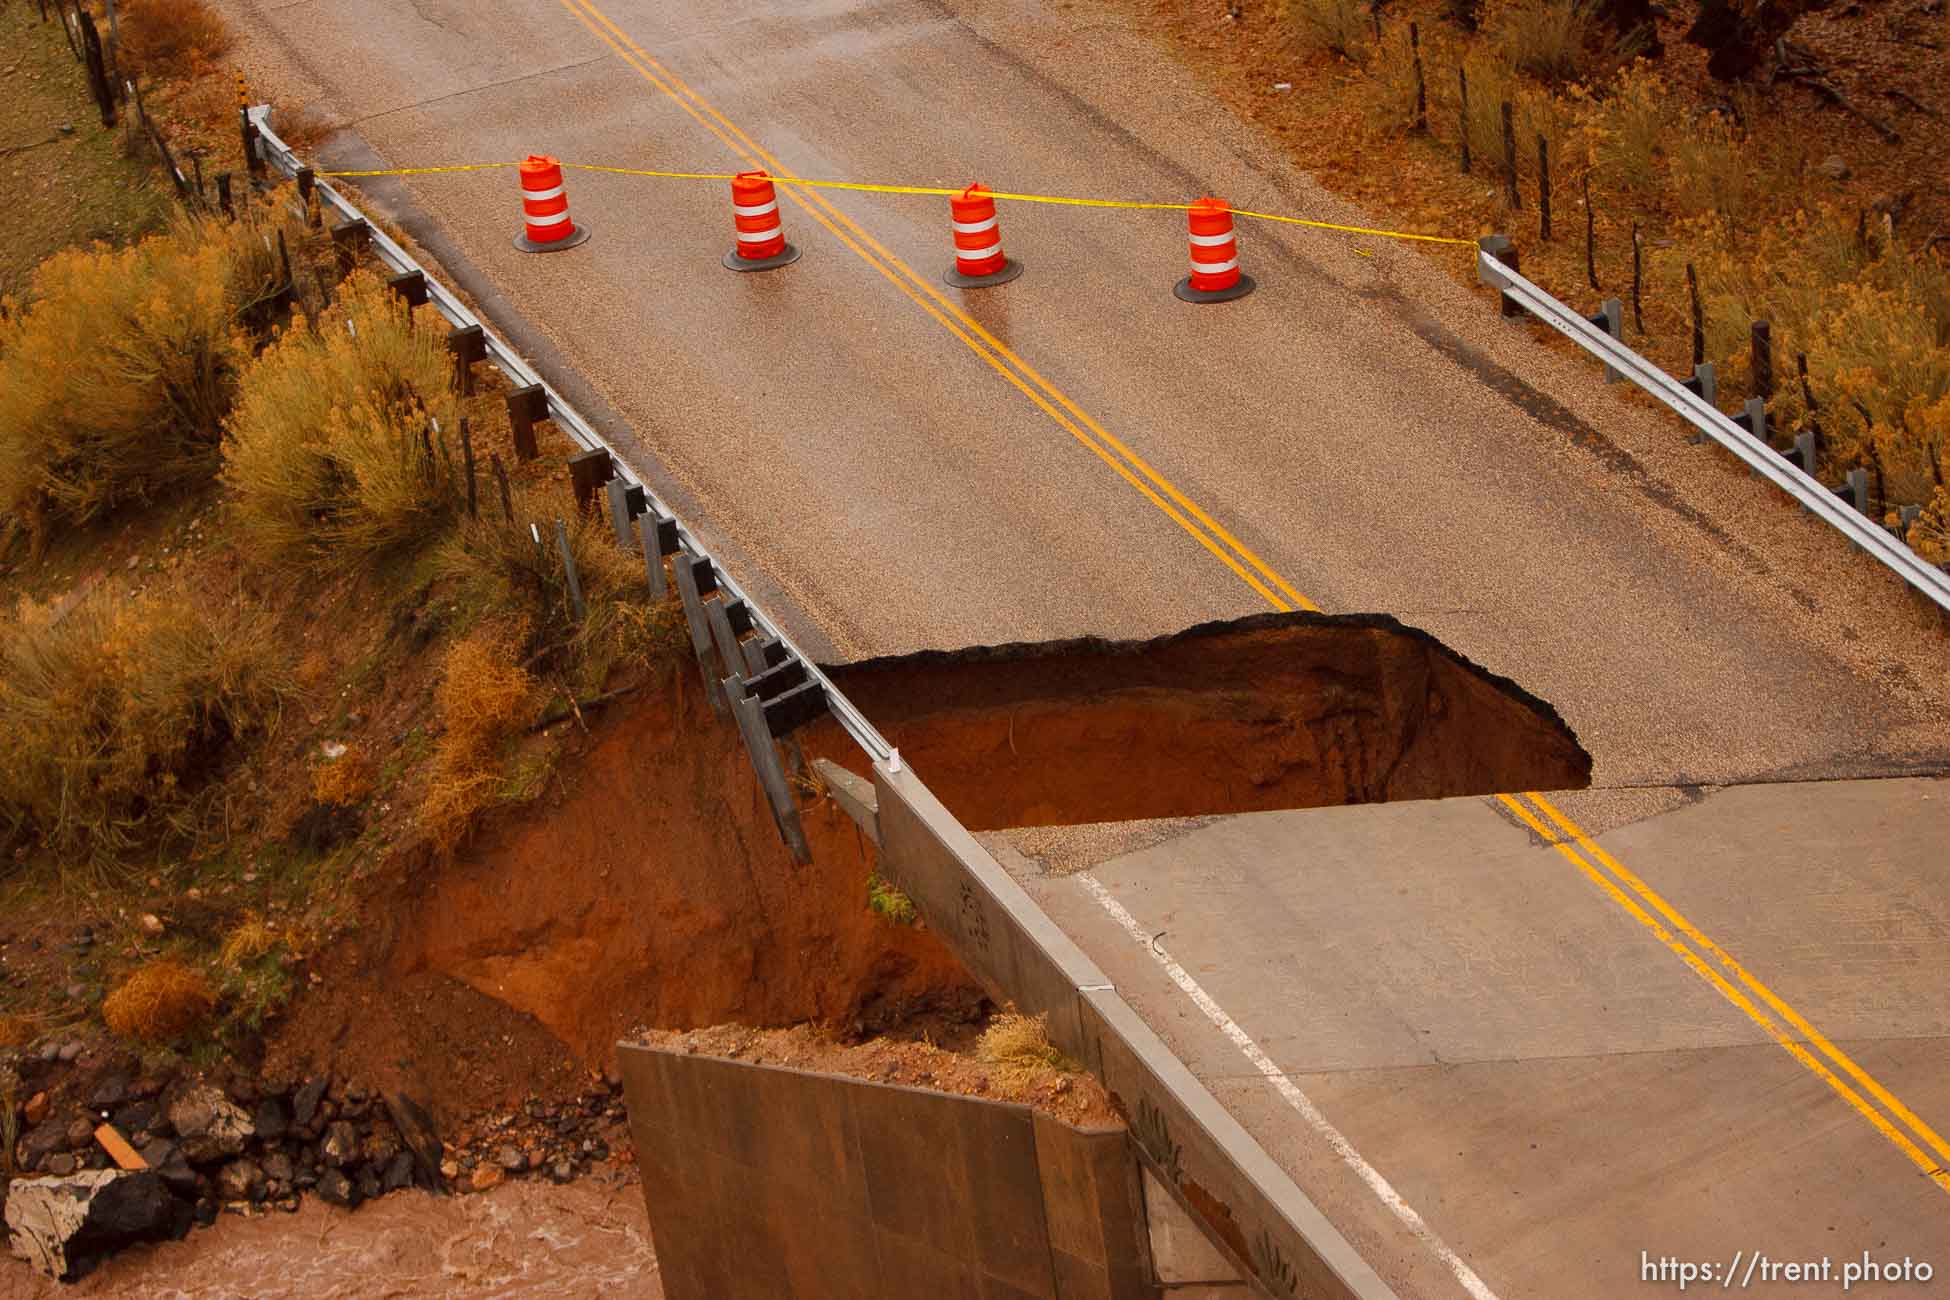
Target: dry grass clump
<point>250,939</point>
<point>16,1031</point>
<point>1340,27</point>
<point>342,782</point>
<point>339,439</point>
<point>503,567</point>
<point>483,700</point>
<point>160,1002</point>
<point>114,714</point>
<point>171,38</point>
<point>1017,1049</point>
<point>114,377</point>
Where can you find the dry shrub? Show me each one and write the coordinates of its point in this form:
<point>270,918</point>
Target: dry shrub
<point>502,567</point>
<point>1016,1048</point>
<point>115,714</point>
<point>161,1002</point>
<point>1342,27</point>
<point>16,1031</point>
<point>482,700</point>
<point>342,782</point>
<point>251,938</point>
<point>171,38</point>
<point>338,441</point>
<point>1630,126</point>
<point>115,377</point>
<point>1545,39</point>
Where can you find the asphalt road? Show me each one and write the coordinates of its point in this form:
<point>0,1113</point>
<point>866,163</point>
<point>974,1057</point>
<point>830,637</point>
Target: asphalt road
<point>913,466</point>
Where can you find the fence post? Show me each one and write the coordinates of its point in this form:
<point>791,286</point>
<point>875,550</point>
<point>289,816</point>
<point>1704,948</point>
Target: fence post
<point>569,570</point>
<point>501,481</point>
<point>1510,195</point>
<point>467,461</point>
<point>1421,87</point>
<point>1544,186</point>
<point>1638,259</point>
<point>1699,316</point>
<point>1590,237</point>
<point>1761,350</point>
<point>1462,82</point>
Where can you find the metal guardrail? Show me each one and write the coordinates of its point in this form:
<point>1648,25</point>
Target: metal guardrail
<point>1865,533</point>
<point>279,155</point>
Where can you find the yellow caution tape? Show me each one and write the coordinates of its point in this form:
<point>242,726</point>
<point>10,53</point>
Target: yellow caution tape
<point>1000,195</point>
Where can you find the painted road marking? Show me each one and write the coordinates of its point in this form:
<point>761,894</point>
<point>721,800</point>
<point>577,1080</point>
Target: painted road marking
<point>1934,1168</point>
<point>949,314</point>
<point>1263,579</point>
<point>1290,1092</point>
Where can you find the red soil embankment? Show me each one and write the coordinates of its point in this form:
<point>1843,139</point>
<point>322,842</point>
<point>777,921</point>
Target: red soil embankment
<point>1275,711</point>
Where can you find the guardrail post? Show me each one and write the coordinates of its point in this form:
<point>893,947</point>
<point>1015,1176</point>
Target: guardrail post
<point>469,346</point>
<point>1502,249</point>
<point>1855,490</point>
<point>1610,317</point>
<point>1704,384</point>
<point>618,494</point>
<point>352,239</point>
<point>248,130</point>
<point>411,286</point>
<point>526,405</point>
<point>684,566</point>
<point>658,533</point>
<point>1905,516</point>
<point>760,745</point>
<point>1804,451</point>
<point>589,470</point>
<point>1753,418</point>
<point>307,186</point>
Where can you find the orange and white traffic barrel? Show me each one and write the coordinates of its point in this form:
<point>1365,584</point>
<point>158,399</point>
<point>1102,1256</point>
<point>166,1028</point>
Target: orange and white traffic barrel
<point>546,227</point>
<point>755,217</point>
<point>1215,276</point>
<point>979,259</point>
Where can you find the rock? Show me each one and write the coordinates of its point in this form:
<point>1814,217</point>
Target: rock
<point>278,1168</point>
<point>138,1118</point>
<point>61,1164</point>
<point>241,1180</point>
<point>66,128</point>
<point>110,1092</point>
<point>36,1108</point>
<point>50,1051</point>
<point>449,1170</point>
<point>381,1145</point>
<point>149,1086</point>
<point>80,1132</point>
<point>271,1120</point>
<point>341,1145</point>
<point>151,925</point>
<point>562,1171</point>
<point>210,1125</point>
<point>485,1177</point>
<point>166,1158</point>
<point>70,1050</point>
<point>511,1159</point>
<point>335,1188</point>
<point>65,1226</point>
<point>1834,167</point>
<point>205,1212</point>
<point>305,1105</point>
<point>368,1183</point>
<point>44,1141</point>
<point>416,1130</point>
<point>399,1172</point>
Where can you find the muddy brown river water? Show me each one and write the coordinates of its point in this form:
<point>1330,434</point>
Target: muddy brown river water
<point>590,1238</point>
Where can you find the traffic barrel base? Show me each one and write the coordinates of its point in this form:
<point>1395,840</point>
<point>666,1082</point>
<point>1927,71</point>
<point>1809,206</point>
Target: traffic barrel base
<point>755,220</point>
<point>979,259</point>
<point>1011,268</point>
<point>577,235</point>
<point>1245,285</point>
<point>736,261</point>
<point>546,227</point>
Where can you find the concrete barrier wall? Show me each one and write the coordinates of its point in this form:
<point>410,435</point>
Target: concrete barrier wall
<point>1248,1206</point>
<point>765,1182</point>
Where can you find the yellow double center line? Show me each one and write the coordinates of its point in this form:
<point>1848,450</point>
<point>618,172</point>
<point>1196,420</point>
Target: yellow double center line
<point>1050,399</point>
<point>1701,954</point>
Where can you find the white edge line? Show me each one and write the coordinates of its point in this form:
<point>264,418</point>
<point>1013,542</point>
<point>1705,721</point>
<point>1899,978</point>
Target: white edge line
<point>1384,1190</point>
